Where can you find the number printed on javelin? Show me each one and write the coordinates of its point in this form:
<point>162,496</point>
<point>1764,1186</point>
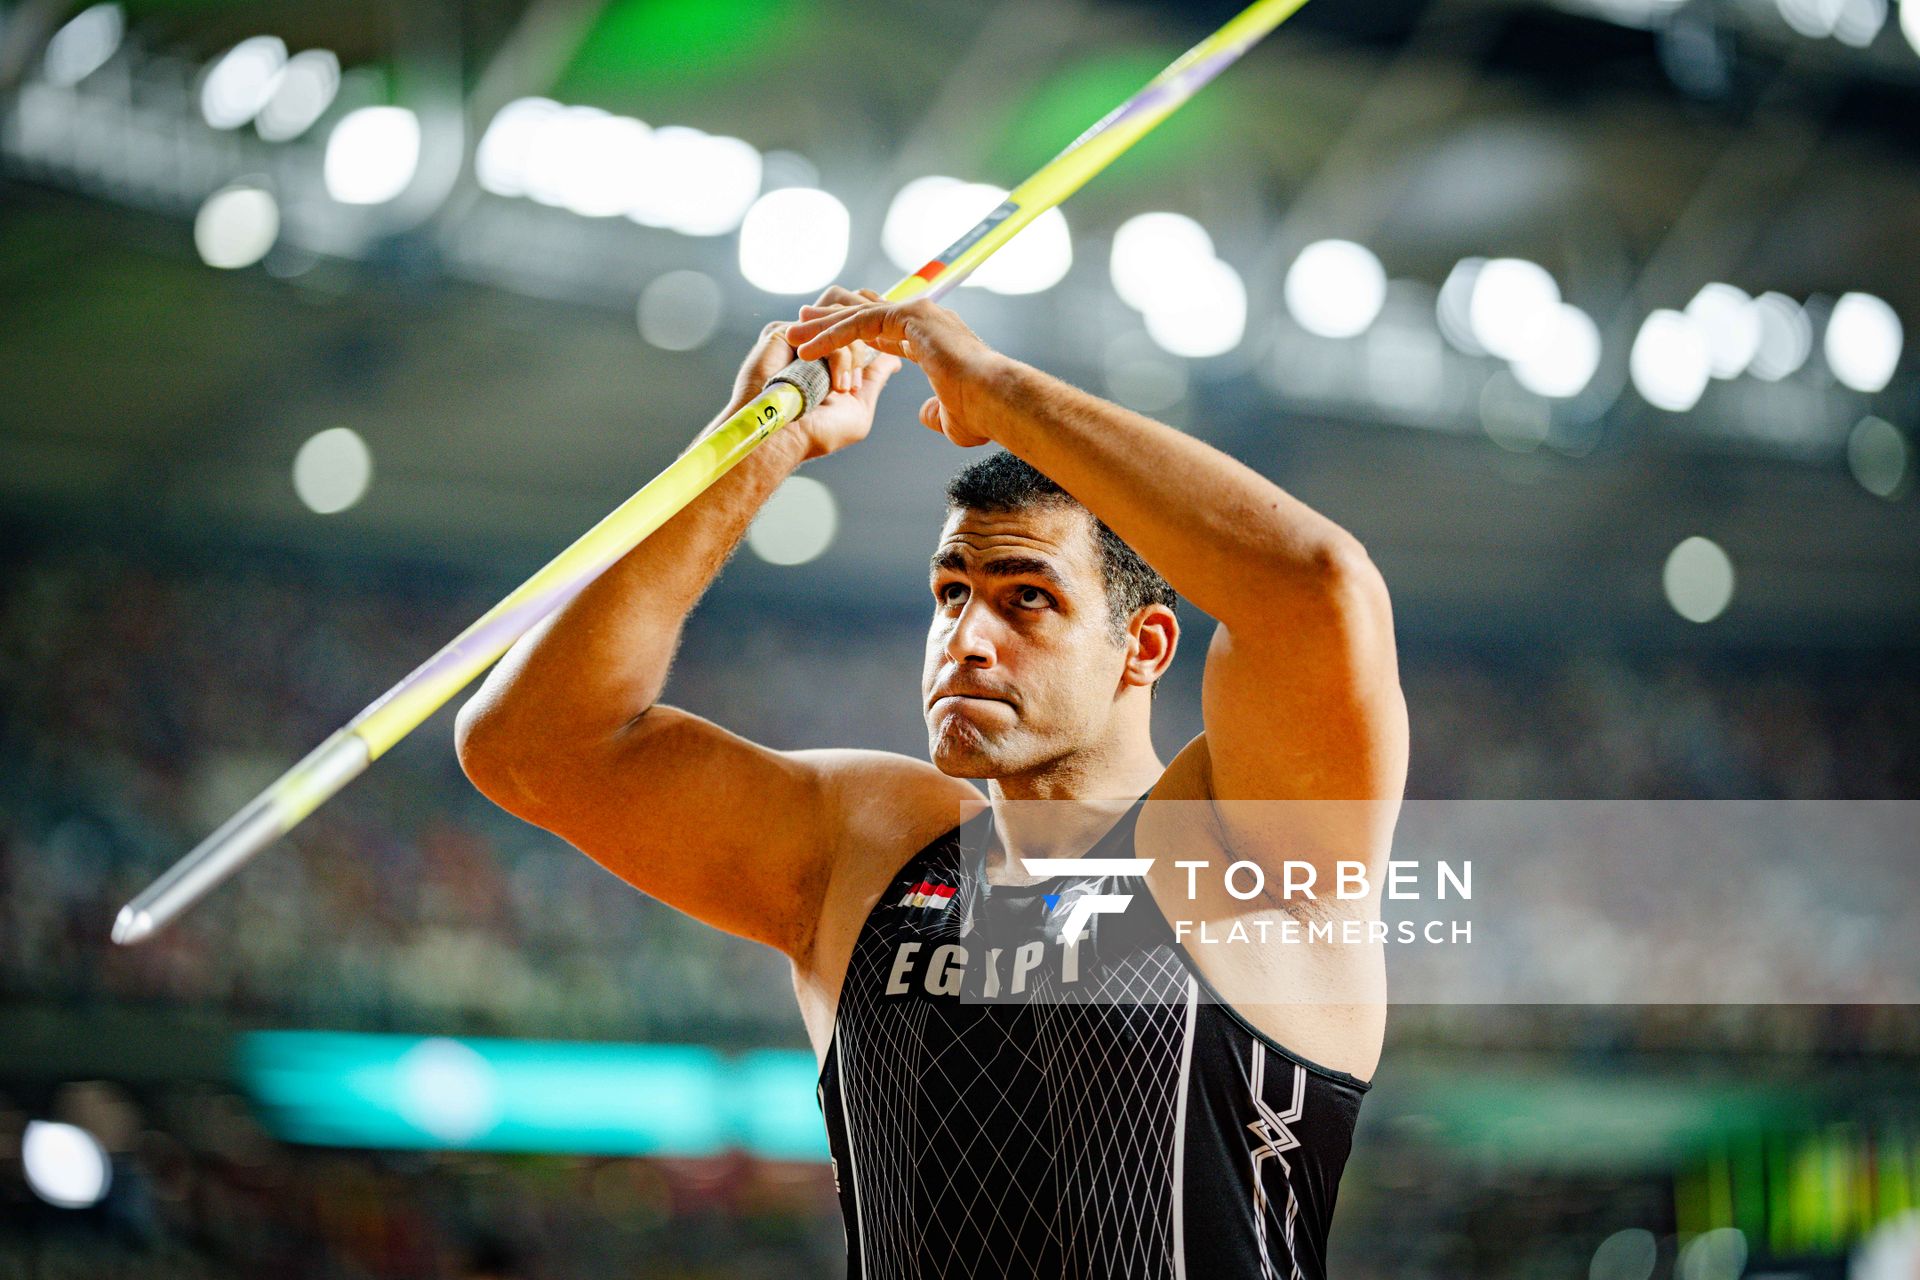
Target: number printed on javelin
<point>765,421</point>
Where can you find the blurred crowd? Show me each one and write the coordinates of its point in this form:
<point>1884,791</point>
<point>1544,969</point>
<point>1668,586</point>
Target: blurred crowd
<point>137,710</point>
<point>1528,725</point>
<point>141,703</point>
<point>199,1192</point>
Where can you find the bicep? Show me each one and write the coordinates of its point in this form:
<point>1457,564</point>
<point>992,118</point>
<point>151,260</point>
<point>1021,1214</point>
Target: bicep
<point>731,832</point>
<point>1303,710</point>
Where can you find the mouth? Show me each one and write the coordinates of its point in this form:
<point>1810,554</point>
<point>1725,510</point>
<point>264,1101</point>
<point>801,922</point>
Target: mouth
<point>966,697</point>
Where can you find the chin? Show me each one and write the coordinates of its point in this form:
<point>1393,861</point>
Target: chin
<point>970,764</point>
<point>959,750</point>
<point>957,758</point>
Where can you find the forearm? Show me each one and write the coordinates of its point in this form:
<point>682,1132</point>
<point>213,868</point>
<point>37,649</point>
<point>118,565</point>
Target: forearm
<point>1228,539</point>
<point>601,660</point>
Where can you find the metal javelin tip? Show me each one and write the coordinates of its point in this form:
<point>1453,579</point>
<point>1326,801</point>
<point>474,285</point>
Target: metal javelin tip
<point>132,926</point>
<point>266,818</point>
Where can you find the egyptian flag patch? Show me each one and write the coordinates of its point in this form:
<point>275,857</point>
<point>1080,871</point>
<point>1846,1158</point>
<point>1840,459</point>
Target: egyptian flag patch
<point>934,897</point>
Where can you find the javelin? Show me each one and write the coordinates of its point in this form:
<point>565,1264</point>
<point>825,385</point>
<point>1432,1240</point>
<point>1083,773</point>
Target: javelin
<point>787,395</point>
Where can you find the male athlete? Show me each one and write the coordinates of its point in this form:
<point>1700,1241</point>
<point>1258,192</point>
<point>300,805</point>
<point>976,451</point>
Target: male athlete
<point>1005,1095</point>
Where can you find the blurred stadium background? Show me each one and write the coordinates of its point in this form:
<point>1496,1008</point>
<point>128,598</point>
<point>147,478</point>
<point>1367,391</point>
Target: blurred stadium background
<point>325,324</point>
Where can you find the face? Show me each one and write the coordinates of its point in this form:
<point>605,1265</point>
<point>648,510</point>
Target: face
<point>1021,667</point>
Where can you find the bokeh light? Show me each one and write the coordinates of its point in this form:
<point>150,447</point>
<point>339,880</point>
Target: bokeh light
<point>680,310</point>
<point>797,523</point>
<point>372,155</point>
<point>1720,1254</point>
<point>921,220</point>
<point>64,1164</point>
<point>1036,259</point>
<point>691,182</point>
<point>1786,337</point>
<point>1815,19</point>
<point>332,470</point>
<point>1512,306</point>
<point>1698,579</point>
<point>1891,1251</point>
<point>305,90</point>
<point>241,82</point>
<point>1207,317</point>
<point>506,150</point>
<point>794,240</point>
<point>1335,288</point>
<point>1880,458</point>
<point>1859,22</point>
<point>1863,342</point>
<point>587,161</point>
<point>1730,324</point>
<point>83,45</point>
<point>1513,416</point>
<point>1453,308</point>
<point>1153,256</point>
<point>600,165</point>
<point>1625,1255</point>
<point>236,226</point>
<point>1141,375</point>
<point>449,1090</point>
<point>1669,363</point>
<point>1562,364</point>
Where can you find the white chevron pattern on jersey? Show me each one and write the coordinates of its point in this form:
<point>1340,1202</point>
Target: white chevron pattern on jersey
<point>1276,1139</point>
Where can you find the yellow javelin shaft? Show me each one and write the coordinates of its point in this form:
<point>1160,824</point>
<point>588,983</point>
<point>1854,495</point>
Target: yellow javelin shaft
<point>402,709</point>
<point>1103,143</point>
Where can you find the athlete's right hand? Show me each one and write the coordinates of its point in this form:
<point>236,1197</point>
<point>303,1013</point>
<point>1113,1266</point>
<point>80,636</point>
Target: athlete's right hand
<point>845,414</point>
<point>961,368</point>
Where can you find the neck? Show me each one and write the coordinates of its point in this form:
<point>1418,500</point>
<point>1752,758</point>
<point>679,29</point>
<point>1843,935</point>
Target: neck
<point>1060,811</point>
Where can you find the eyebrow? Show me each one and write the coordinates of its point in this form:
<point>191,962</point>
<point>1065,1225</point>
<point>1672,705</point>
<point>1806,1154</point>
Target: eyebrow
<point>999,567</point>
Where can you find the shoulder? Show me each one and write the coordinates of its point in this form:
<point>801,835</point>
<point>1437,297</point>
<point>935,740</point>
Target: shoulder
<point>1179,819</point>
<point>1187,776</point>
<point>883,809</point>
<point>879,795</point>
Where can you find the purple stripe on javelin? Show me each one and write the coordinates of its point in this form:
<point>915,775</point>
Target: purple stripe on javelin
<point>1182,86</point>
<point>499,631</point>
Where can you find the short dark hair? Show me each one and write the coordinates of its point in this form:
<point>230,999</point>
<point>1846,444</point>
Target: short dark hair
<point>1003,482</point>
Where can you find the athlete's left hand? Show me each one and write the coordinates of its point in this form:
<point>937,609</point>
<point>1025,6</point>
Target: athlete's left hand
<point>955,360</point>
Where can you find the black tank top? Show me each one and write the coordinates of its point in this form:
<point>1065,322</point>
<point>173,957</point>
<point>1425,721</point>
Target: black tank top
<point>1001,1105</point>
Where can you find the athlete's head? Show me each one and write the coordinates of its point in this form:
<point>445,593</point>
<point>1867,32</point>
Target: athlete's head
<point>1049,633</point>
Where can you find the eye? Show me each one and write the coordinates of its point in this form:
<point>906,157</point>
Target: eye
<point>1032,598</point>
<point>945,592</point>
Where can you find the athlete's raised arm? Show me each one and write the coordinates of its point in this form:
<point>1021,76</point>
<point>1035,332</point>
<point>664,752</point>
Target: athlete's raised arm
<point>567,732</point>
<point>1302,698</point>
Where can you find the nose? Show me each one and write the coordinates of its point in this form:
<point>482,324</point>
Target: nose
<point>971,641</point>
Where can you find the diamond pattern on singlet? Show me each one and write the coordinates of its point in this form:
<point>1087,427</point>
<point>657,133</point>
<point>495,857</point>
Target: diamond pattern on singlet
<point>1045,1137</point>
<point>1044,1127</point>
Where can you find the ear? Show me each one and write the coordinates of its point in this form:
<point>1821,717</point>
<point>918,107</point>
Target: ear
<point>1153,634</point>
